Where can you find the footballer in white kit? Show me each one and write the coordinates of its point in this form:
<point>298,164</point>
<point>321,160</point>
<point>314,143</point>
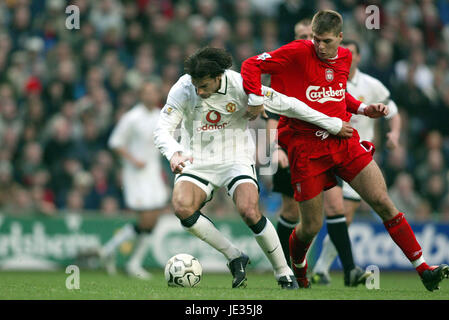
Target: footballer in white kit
<point>215,131</point>
<point>144,189</point>
<point>216,150</point>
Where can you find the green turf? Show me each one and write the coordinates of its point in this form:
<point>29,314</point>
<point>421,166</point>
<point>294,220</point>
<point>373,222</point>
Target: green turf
<point>261,286</point>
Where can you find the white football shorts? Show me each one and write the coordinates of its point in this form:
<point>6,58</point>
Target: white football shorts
<point>144,190</point>
<point>349,193</point>
<point>210,177</point>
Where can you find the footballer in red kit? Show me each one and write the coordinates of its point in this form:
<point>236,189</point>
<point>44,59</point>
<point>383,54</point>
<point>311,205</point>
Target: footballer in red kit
<point>316,73</point>
<point>322,85</point>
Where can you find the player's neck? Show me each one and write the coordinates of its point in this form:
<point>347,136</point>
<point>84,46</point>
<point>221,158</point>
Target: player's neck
<point>149,107</point>
<point>219,85</point>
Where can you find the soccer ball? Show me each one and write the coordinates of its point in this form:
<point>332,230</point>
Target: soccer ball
<point>183,270</point>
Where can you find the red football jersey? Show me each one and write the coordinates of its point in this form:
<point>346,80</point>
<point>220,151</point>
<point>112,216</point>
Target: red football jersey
<point>297,71</point>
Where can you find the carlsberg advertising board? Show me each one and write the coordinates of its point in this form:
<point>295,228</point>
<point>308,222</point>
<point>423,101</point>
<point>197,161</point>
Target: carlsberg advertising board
<point>44,243</point>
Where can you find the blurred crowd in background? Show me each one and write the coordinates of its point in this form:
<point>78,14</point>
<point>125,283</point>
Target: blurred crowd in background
<point>62,91</point>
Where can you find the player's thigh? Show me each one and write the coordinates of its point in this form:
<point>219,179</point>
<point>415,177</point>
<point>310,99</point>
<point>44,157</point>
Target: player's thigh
<point>370,185</point>
<point>333,202</point>
<point>246,199</point>
<point>148,218</point>
<point>187,198</point>
<point>290,208</point>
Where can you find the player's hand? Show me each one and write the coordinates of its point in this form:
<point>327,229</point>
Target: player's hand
<point>376,110</point>
<point>279,156</point>
<point>392,140</point>
<point>138,164</point>
<point>178,161</point>
<point>346,130</point>
<point>253,111</point>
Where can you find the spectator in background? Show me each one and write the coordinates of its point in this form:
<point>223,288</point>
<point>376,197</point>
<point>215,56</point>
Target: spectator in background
<point>6,184</point>
<point>178,29</point>
<point>403,193</point>
<point>107,15</point>
<point>109,206</point>
<point>74,202</point>
<point>289,13</point>
<point>59,144</point>
<point>28,163</point>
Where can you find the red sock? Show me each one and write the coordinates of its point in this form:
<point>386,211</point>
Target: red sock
<point>402,234</point>
<point>298,249</point>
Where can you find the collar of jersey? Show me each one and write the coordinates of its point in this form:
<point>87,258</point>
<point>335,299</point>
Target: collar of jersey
<point>224,84</point>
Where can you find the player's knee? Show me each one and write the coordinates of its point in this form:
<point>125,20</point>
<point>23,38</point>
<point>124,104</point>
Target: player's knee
<point>183,207</point>
<point>290,211</point>
<point>383,205</point>
<point>310,228</point>
<point>249,213</point>
<point>334,208</point>
<point>349,218</point>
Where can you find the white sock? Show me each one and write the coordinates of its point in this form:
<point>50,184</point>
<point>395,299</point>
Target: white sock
<point>206,231</point>
<point>327,256</point>
<point>416,263</point>
<point>142,244</point>
<point>126,233</point>
<point>268,241</point>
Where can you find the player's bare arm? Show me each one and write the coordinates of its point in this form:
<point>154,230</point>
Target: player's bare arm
<point>278,155</point>
<point>178,162</point>
<point>122,152</point>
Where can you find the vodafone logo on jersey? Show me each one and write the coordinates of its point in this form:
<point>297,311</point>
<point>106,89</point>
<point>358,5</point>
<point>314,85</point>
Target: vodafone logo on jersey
<point>213,118</point>
<point>323,94</point>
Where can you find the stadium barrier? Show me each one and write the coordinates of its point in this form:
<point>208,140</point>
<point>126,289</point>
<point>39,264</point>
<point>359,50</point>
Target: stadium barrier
<point>52,243</point>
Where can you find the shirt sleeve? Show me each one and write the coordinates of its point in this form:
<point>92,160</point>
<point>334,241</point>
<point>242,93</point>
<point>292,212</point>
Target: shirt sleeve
<point>171,115</point>
<point>273,62</point>
<point>392,109</point>
<point>352,104</point>
<point>293,108</point>
<point>382,93</point>
<point>121,134</point>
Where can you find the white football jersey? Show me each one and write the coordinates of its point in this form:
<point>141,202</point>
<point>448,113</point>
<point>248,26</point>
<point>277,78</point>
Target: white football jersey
<point>368,90</point>
<point>214,130</point>
<point>143,188</point>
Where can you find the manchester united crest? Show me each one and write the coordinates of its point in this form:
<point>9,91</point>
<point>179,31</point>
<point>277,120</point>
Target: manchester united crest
<point>329,74</point>
<point>230,107</point>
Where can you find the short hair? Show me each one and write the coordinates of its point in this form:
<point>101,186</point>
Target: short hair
<point>353,42</point>
<point>327,21</point>
<point>207,61</point>
<point>304,22</point>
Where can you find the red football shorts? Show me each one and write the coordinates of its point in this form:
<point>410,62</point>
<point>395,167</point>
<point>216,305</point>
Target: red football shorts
<point>315,162</point>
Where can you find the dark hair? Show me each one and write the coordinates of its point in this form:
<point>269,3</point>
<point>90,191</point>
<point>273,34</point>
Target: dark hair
<point>207,62</point>
<point>327,21</point>
<point>353,42</point>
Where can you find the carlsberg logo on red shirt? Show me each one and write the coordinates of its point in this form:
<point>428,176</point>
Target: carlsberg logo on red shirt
<point>322,94</point>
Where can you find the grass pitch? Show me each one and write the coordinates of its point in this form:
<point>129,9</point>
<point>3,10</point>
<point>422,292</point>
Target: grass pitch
<point>97,285</point>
